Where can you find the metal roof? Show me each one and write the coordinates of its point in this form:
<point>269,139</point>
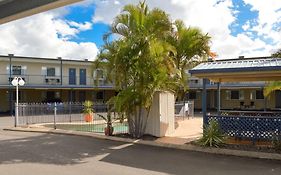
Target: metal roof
<point>243,65</point>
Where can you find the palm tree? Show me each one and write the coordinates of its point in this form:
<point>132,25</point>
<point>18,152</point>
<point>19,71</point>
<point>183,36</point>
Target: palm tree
<point>192,47</point>
<point>139,62</point>
<point>148,56</point>
<point>275,85</point>
<point>271,87</point>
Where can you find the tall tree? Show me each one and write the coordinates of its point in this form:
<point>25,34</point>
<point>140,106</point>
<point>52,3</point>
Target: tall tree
<point>139,63</point>
<point>275,85</point>
<point>192,46</point>
<point>150,54</point>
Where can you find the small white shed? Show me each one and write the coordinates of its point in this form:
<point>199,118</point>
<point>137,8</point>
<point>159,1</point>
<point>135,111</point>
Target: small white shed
<point>161,120</point>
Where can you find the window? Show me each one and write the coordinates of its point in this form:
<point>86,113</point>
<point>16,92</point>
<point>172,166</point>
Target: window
<point>259,95</point>
<point>51,71</point>
<point>192,95</point>
<point>193,81</point>
<point>234,95</point>
<point>16,70</point>
<point>82,96</point>
<point>99,74</point>
<point>57,95</point>
<point>99,95</point>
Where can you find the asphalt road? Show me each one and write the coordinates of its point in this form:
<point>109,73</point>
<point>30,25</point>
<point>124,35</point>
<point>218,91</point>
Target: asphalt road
<point>33,153</point>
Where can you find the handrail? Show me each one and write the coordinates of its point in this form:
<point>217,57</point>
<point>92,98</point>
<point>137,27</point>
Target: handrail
<point>251,111</point>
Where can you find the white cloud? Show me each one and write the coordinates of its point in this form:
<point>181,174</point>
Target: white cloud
<point>268,21</point>
<point>81,26</point>
<point>45,35</point>
<point>246,26</point>
<point>214,17</point>
<point>49,35</point>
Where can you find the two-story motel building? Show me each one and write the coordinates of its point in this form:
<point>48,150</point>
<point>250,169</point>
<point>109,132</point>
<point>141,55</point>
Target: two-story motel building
<point>64,80</point>
<point>51,80</point>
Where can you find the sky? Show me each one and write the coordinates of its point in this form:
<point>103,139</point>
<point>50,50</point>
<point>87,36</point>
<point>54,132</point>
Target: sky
<point>250,28</point>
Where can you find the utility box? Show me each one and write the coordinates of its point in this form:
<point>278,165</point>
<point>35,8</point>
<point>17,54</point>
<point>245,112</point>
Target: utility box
<point>161,120</point>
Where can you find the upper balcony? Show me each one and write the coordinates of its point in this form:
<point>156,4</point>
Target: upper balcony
<point>43,81</point>
<point>196,83</point>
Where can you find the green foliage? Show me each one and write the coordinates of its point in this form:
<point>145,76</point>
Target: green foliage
<point>277,54</point>
<point>212,135</point>
<point>271,87</point>
<point>276,142</point>
<point>143,60</point>
<point>88,107</point>
<point>275,85</point>
<point>192,47</point>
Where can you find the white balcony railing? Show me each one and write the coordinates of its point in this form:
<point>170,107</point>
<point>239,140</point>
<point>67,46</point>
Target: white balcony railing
<point>55,80</point>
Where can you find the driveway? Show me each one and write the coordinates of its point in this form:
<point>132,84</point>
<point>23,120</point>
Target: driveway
<point>34,153</point>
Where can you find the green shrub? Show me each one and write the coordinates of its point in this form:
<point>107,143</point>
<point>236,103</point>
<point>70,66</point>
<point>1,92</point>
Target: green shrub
<point>212,135</point>
<point>88,107</point>
<point>276,142</point>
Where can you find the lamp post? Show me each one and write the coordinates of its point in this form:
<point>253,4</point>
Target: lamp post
<point>17,81</point>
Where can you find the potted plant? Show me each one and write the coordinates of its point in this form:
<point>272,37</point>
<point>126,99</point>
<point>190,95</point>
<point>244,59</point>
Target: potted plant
<point>88,111</point>
<point>108,130</point>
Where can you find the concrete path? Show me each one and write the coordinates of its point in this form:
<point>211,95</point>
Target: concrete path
<point>186,130</point>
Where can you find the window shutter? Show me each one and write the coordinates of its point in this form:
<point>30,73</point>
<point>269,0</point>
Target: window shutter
<point>23,68</point>
<point>241,95</point>
<point>253,95</point>
<point>57,71</point>
<point>227,95</point>
<point>44,71</point>
<point>8,69</point>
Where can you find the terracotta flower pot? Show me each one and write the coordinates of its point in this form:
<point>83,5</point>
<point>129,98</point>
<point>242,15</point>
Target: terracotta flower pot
<point>88,117</point>
<point>108,131</point>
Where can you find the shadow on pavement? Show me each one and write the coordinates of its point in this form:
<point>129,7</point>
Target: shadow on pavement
<point>65,150</point>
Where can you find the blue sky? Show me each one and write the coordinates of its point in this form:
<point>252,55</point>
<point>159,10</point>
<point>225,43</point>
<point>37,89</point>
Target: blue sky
<point>244,14</point>
<point>237,27</point>
<point>81,14</point>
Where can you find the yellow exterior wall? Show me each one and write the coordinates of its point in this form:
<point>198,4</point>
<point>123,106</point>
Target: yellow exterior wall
<point>235,104</point>
<point>34,74</point>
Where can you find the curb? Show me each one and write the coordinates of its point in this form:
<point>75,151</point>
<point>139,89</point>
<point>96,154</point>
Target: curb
<point>218,151</point>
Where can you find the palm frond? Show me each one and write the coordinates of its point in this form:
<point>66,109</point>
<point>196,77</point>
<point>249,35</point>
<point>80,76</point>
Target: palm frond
<point>271,87</point>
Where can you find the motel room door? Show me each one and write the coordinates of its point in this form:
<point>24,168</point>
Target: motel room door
<point>278,99</point>
<point>72,76</point>
<point>82,76</point>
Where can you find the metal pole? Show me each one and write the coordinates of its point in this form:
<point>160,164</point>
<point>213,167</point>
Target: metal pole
<point>10,87</point>
<point>55,115</point>
<point>17,105</point>
<point>265,102</point>
<point>60,70</point>
<point>218,97</point>
<point>204,102</point>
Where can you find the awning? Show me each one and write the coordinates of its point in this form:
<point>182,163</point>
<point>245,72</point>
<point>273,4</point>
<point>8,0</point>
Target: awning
<point>14,9</point>
<point>237,70</point>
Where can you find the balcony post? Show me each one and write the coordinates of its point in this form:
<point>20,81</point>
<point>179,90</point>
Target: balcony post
<point>264,102</point>
<point>218,97</point>
<point>10,85</point>
<point>59,58</point>
<point>204,102</point>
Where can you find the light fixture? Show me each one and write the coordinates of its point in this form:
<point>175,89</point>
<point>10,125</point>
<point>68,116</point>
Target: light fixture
<point>17,81</point>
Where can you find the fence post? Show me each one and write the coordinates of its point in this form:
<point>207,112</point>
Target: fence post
<point>55,115</point>
<point>70,112</point>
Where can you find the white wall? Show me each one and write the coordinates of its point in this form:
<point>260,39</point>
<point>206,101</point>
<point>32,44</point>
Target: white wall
<point>161,118</point>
